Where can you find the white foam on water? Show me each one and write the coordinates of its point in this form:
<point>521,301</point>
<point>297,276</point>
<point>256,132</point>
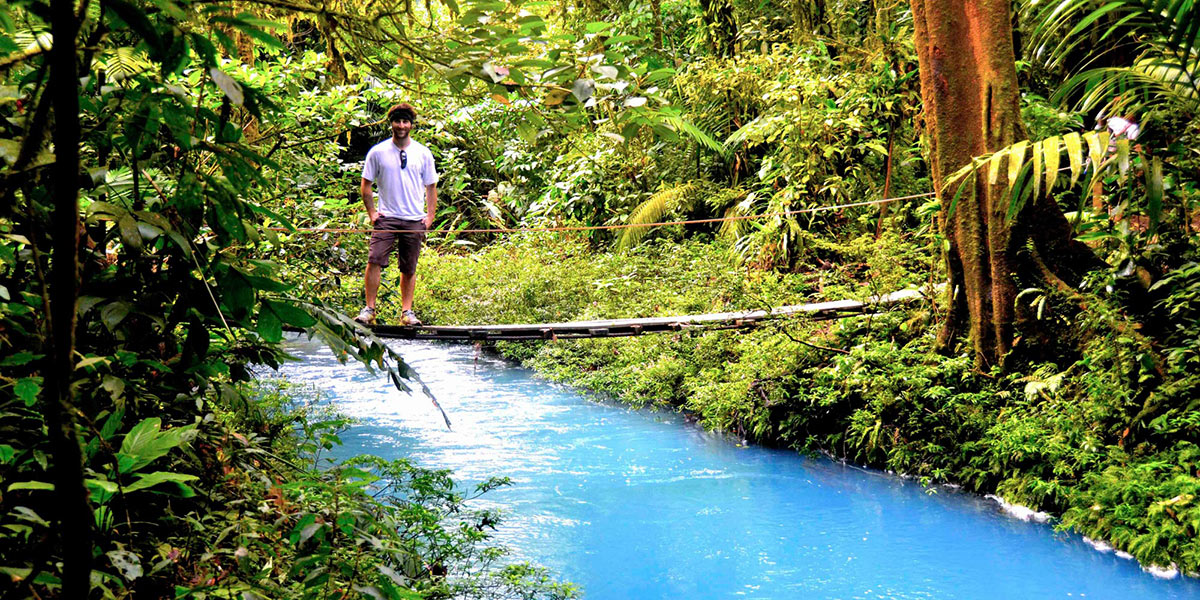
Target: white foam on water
<point>1168,572</point>
<point>1099,545</point>
<point>1023,513</point>
<point>1123,554</point>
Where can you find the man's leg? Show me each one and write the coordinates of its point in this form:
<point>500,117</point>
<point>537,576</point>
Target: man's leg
<point>408,285</point>
<point>371,283</point>
<point>380,246</point>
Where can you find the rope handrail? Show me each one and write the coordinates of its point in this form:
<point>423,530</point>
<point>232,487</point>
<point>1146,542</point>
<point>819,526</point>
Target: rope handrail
<point>604,227</point>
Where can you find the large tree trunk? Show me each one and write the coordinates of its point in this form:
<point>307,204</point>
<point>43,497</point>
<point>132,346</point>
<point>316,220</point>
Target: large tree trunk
<point>970,96</point>
<point>74,515</point>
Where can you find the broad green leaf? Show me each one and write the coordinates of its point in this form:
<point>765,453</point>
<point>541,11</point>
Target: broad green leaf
<point>260,35</point>
<point>1016,160</point>
<point>27,389</point>
<point>113,313</point>
<point>150,480</point>
<point>1074,154</point>
<point>136,19</point>
<point>102,490</point>
<point>6,453</point>
<point>145,443</point>
<point>623,39</point>
<point>231,88</point>
<point>130,234</point>
<point>260,282</point>
<point>87,303</point>
<point>1050,152</point>
<point>291,314</point>
<point>269,326</point>
<point>23,357</point>
<point>31,485</point>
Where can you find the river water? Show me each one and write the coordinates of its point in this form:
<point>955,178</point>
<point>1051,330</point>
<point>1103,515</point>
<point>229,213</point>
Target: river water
<point>638,504</point>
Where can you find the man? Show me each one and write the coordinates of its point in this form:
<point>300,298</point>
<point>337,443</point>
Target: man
<point>404,171</point>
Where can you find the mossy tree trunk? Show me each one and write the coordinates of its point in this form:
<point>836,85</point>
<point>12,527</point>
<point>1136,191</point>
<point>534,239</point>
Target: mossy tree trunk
<point>970,95</point>
<point>336,62</point>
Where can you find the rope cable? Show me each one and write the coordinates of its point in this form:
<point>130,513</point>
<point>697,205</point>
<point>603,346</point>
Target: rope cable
<point>604,227</point>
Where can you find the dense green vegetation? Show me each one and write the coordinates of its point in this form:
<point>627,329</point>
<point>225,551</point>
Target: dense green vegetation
<point>157,158</point>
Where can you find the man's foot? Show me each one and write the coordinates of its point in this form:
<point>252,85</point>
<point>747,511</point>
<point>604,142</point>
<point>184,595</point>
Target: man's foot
<point>410,318</point>
<point>366,316</point>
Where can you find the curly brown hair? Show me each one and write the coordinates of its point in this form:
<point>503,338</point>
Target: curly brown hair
<point>402,111</point>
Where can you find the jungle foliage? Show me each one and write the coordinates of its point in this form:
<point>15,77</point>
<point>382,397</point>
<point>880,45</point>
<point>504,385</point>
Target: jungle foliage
<point>210,134</point>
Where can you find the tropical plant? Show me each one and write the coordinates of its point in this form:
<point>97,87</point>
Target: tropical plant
<point>1160,34</point>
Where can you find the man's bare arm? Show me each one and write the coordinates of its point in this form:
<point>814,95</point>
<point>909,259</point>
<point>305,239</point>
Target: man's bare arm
<point>430,204</point>
<point>368,199</point>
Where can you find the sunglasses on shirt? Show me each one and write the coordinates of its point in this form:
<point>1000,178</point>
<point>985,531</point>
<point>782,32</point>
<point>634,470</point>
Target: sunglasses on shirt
<point>403,159</point>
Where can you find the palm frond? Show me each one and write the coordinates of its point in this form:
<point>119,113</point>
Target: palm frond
<point>31,42</point>
<point>652,210</point>
<point>1166,33</point>
<point>1024,162</point>
<point>122,63</point>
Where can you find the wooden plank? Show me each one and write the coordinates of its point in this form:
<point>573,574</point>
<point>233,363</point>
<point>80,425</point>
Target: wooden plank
<point>636,326</point>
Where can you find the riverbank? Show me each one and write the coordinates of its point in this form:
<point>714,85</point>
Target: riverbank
<point>1059,438</point>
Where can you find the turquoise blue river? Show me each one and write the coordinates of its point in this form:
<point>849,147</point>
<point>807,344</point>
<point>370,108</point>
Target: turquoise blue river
<point>638,504</point>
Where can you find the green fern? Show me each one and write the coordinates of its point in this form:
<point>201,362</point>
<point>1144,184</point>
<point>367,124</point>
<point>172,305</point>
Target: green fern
<point>732,231</point>
<point>680,125</point>
<point>651,211</point>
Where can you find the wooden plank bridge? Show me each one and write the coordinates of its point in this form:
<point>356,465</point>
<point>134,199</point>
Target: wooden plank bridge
<point>625,327</point>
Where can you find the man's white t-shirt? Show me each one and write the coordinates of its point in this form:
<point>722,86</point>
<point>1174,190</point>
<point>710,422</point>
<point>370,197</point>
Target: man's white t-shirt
<point>1120,127</point>
<point>401,190</point>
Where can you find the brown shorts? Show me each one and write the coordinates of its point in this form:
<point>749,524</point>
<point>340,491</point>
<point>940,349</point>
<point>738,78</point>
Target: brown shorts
<point>408,245</point>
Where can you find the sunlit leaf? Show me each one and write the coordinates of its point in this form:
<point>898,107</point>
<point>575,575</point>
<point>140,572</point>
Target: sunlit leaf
<point>1051,153</point>
<point>583,89</point>
<point>1123,156</point>
<point>1016,160</point>
<point>231,88</point>
<point>1074,147</point>
<point>994,166</point>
